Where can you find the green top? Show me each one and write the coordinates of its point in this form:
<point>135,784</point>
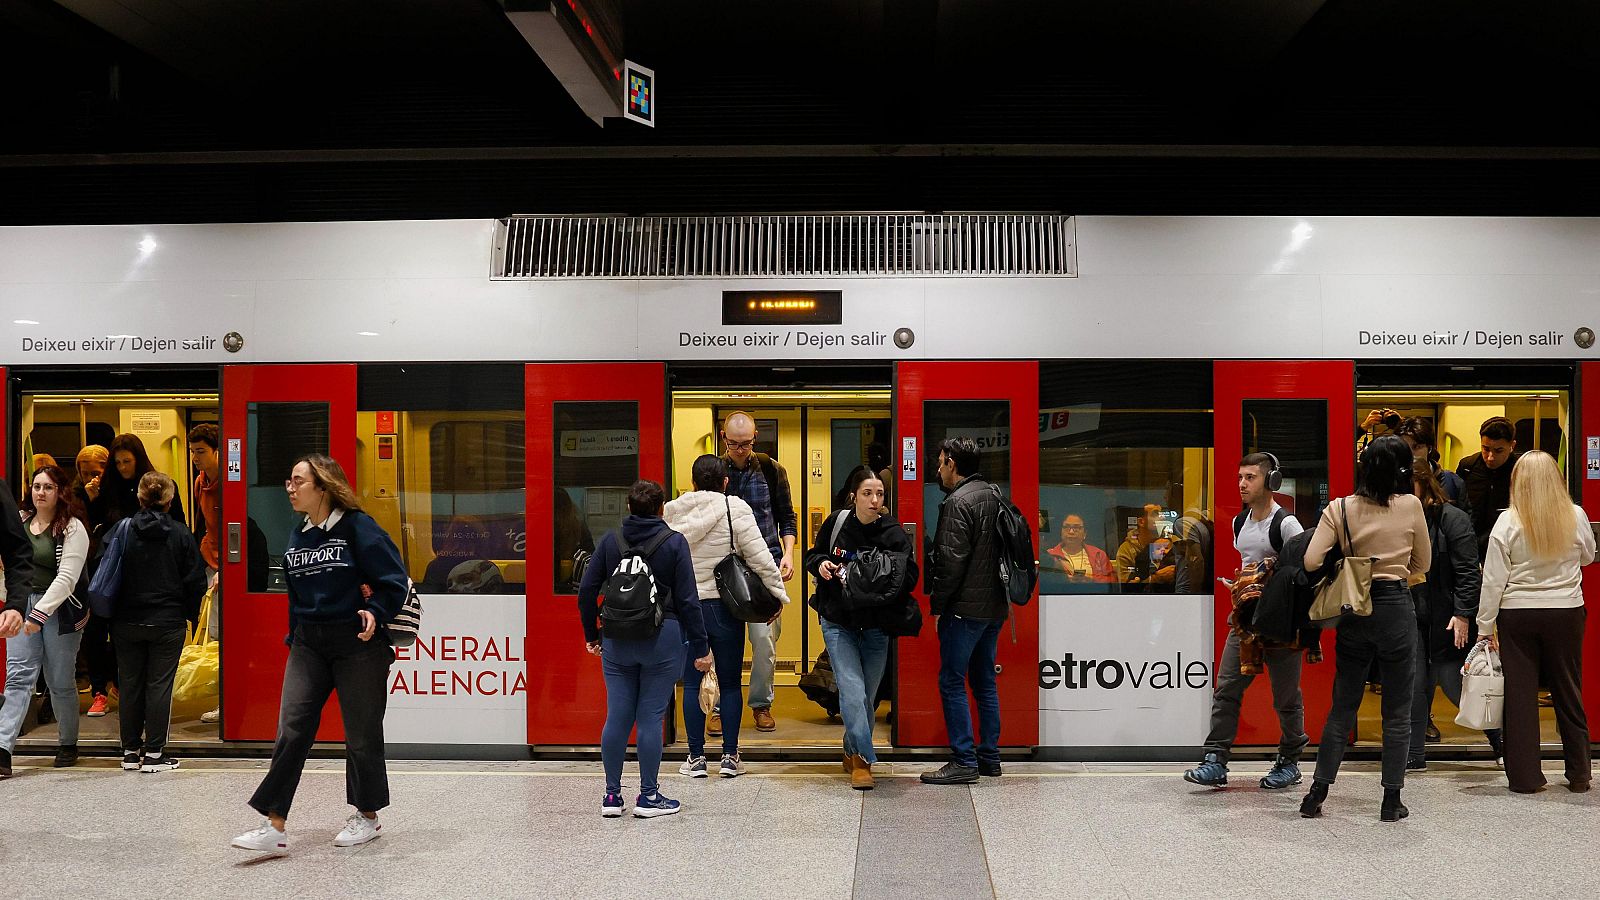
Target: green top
<point>44,559</point>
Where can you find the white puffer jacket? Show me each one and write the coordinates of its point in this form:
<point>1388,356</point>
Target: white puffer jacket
<point>702,518</point>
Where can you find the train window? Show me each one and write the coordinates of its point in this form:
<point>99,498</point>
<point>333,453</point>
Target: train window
<point>1296,432</point>
<point>442,460</point>
<point>986,422</point>
<point>596,461</point>
<point>277,434</point>
<point>1125,463</point>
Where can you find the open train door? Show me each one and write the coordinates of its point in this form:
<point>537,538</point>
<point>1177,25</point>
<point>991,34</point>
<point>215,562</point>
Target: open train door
<point>598,428</point>
<point>1304,414</point>
<point>271,415</point>
<point>997,405</point>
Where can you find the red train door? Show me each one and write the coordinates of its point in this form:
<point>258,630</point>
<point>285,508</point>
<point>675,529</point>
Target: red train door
<point>1304,413</point>
<point>270,416</point>
<point>16,488</point>
<point>997,404</point>
<point>598,427</point>
<point>1589,417</point>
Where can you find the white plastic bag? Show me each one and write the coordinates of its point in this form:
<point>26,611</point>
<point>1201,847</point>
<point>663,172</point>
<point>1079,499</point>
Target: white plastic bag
<point>1483,689</point>
<point>710,693</point>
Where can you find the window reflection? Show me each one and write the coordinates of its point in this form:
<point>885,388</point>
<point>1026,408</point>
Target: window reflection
<point>596,462</point>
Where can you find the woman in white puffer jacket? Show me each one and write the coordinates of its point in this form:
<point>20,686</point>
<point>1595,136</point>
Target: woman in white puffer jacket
<point>702,516</point>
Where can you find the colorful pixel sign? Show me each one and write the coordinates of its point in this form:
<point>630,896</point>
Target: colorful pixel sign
<point>639,94</point>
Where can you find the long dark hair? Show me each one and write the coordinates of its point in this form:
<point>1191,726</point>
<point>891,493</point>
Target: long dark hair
<point>709,473</point>
<point>852,483</point>
<point>113,486</point>
<point>67,505</point>
<point>1385,470</point>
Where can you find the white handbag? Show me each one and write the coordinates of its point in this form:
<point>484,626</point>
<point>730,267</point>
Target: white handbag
<point>1483,689</point>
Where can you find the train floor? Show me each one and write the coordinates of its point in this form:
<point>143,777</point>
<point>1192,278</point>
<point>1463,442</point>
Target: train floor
<point>492,830</point>
<point>801,723</point>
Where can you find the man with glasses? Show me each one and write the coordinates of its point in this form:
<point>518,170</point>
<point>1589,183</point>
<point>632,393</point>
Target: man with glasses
<point>761,482</point>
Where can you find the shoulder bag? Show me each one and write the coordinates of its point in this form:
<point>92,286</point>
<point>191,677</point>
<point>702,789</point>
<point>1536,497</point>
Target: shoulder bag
<point>1348,590</point>
<point>743,592</point>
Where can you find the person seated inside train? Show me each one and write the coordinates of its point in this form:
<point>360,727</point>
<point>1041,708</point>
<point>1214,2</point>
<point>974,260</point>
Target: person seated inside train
<point>1487,475</point>
<point>1142,561</point>
<point>1080,561</point>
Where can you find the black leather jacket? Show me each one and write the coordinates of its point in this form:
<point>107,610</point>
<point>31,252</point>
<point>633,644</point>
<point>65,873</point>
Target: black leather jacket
<point>965,572</point>
<point>1452,585</point>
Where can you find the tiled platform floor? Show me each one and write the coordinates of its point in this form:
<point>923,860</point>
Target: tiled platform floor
<point>491,830</point>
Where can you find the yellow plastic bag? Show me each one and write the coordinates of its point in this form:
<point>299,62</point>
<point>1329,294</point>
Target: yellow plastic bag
<point>195,689</point>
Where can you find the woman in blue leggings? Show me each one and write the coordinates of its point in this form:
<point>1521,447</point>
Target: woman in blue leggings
<point>642,667</point>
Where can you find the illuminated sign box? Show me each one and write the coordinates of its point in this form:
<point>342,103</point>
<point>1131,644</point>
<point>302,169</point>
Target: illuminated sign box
<point>782,307</point>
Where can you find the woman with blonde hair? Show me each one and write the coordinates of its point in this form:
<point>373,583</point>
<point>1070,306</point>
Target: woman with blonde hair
<point>1532,609</point>
<point>346,582</point>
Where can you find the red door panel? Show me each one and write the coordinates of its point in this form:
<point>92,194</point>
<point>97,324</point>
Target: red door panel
<point>1589,417</point>
<point>254,624</point>
<point>566,692</point>
<point>11,478</point>
<point>919,717</point>
<point>1234,383</point>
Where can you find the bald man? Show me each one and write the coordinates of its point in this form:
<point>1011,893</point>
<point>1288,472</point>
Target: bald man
<point>761,482</point>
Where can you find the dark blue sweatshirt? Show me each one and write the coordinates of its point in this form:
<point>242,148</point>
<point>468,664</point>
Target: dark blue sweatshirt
<point>326,570</point>
<point>671,565</point>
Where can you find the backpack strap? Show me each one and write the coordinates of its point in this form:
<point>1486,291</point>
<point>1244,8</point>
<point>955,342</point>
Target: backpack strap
<point>838,525</point>
<point>649,548</point>
<point>1275,531</point>
<point>1238,522</point>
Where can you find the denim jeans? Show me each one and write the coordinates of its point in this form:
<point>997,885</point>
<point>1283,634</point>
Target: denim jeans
<point>57,654</point>
<point>1283,670</point>
<point>1441,673</point>
<point>763,662</point>
<point>1389,635</point>
<point>727,650</point>
<point>639,679</point>
<point>147,664</point>
<point>966,656</point>
<point>858,656</point>
<point>324,658</point>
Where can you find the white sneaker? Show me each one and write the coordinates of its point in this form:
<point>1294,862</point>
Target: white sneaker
<point>211,718</point>
<point>694,767</point>
<point>358,829</point>
<point>732,766</point>
<point>265,839</point>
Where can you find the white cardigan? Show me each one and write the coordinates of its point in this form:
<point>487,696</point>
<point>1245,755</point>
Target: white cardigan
<point>702,518</point>
<point>1513,579</point>
<point>74,553</point>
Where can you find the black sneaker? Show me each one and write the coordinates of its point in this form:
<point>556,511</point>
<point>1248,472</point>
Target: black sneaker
<point>988,769</point>
<point>951,773</point>
<point>131,761</point>
<point>66,756</point>
<point>5,763</point>
<point>162,763</point>
<point>1417,764</point>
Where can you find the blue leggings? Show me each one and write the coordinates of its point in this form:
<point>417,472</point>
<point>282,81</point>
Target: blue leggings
<point>727,649</point>
<point>639,680</point>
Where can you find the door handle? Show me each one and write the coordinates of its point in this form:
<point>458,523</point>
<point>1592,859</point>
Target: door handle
<point>234,532</point>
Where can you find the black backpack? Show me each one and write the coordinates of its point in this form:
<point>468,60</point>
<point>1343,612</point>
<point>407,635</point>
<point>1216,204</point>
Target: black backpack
<point>1019,567</point>
<point>1274,531</point>
<point>632,604</point>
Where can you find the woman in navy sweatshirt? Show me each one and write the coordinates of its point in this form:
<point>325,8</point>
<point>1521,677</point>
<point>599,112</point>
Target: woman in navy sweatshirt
<point>337,642</point>
<point>641,672</point>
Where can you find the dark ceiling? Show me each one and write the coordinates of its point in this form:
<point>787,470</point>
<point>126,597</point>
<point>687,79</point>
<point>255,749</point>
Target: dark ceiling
<point>190,110</point>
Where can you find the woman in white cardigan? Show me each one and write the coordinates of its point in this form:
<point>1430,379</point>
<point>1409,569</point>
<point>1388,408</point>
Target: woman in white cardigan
<point>1532,609</point>
<point>703,516</point>
<point>54,618</point>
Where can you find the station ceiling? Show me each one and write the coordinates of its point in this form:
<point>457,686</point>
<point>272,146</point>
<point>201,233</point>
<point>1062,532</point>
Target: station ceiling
<point>188,110</point>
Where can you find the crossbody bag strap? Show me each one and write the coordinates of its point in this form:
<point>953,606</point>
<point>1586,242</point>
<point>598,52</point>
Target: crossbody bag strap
<point>732,546</point>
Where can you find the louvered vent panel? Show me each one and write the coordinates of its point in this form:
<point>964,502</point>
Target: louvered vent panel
<point>783,246</point>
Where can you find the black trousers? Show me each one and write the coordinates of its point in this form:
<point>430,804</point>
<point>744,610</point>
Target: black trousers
<point>100,655</point>
<point>1543,645</point>
<point>324,659</point>
<point>147,663</point>
<point>1389,637</point>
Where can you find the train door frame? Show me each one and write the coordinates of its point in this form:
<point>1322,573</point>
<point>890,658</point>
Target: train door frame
<point>253,655</point>
<point>1233,383</point>
<point>919,716</point>
<point>566,698</point>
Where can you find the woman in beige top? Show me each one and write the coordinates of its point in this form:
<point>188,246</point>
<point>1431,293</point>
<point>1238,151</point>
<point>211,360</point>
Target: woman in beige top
<point>1532,609</point>
<point>1385,523</point>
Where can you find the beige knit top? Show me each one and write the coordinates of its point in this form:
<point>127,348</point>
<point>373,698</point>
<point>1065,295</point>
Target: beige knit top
<point>1396,534</point>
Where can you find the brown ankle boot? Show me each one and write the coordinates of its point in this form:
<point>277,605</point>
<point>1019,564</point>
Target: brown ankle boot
<point>849,764</point>
<point>861,774</point>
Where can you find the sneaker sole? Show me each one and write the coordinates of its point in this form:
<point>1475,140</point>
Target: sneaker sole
<point>151,770</point>
<point>1211,784</point>
<point>692,773</point>
<point>652,813</point>
<point>611,812</point>
<point>131,767</point>
<point>1268,787</point>
<point>349,843</point>
<point>280,849</point>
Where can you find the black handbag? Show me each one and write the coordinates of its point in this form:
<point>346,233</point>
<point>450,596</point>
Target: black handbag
<point>743,592</point>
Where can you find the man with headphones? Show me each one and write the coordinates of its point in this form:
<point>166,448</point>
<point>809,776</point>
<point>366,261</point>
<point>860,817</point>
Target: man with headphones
<point>1259,533</point>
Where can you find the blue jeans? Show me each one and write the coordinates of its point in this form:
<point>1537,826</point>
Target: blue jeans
<point>727,649</point>
<point>858,656</point>
<point>57,653</point>
<point>639,679</point>
<point>966,656</point>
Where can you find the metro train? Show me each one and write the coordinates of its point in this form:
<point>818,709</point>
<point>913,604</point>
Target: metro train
<point>494,387</point>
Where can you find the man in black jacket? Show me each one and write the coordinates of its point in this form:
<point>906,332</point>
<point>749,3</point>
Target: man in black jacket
<point>1487,476</point>
<point>969,608</point>
<point>16,552</point>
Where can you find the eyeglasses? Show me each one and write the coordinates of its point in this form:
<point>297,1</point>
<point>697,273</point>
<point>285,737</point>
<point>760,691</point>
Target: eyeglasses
<point>1072,528</point>
<point>295,484</point>
<point>46,487</point>
<point>741,445</point>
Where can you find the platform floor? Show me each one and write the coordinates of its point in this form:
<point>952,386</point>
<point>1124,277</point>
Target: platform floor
<point>491,830</point>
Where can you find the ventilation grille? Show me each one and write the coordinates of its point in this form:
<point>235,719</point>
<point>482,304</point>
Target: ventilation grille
<point>783,246</point>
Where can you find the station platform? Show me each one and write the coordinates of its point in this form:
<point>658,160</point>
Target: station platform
<point>490,830</point>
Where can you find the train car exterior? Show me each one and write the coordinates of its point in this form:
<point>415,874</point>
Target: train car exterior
<point>474,395</point>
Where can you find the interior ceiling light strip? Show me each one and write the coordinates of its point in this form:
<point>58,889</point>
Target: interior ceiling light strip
<point>856,245</point>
